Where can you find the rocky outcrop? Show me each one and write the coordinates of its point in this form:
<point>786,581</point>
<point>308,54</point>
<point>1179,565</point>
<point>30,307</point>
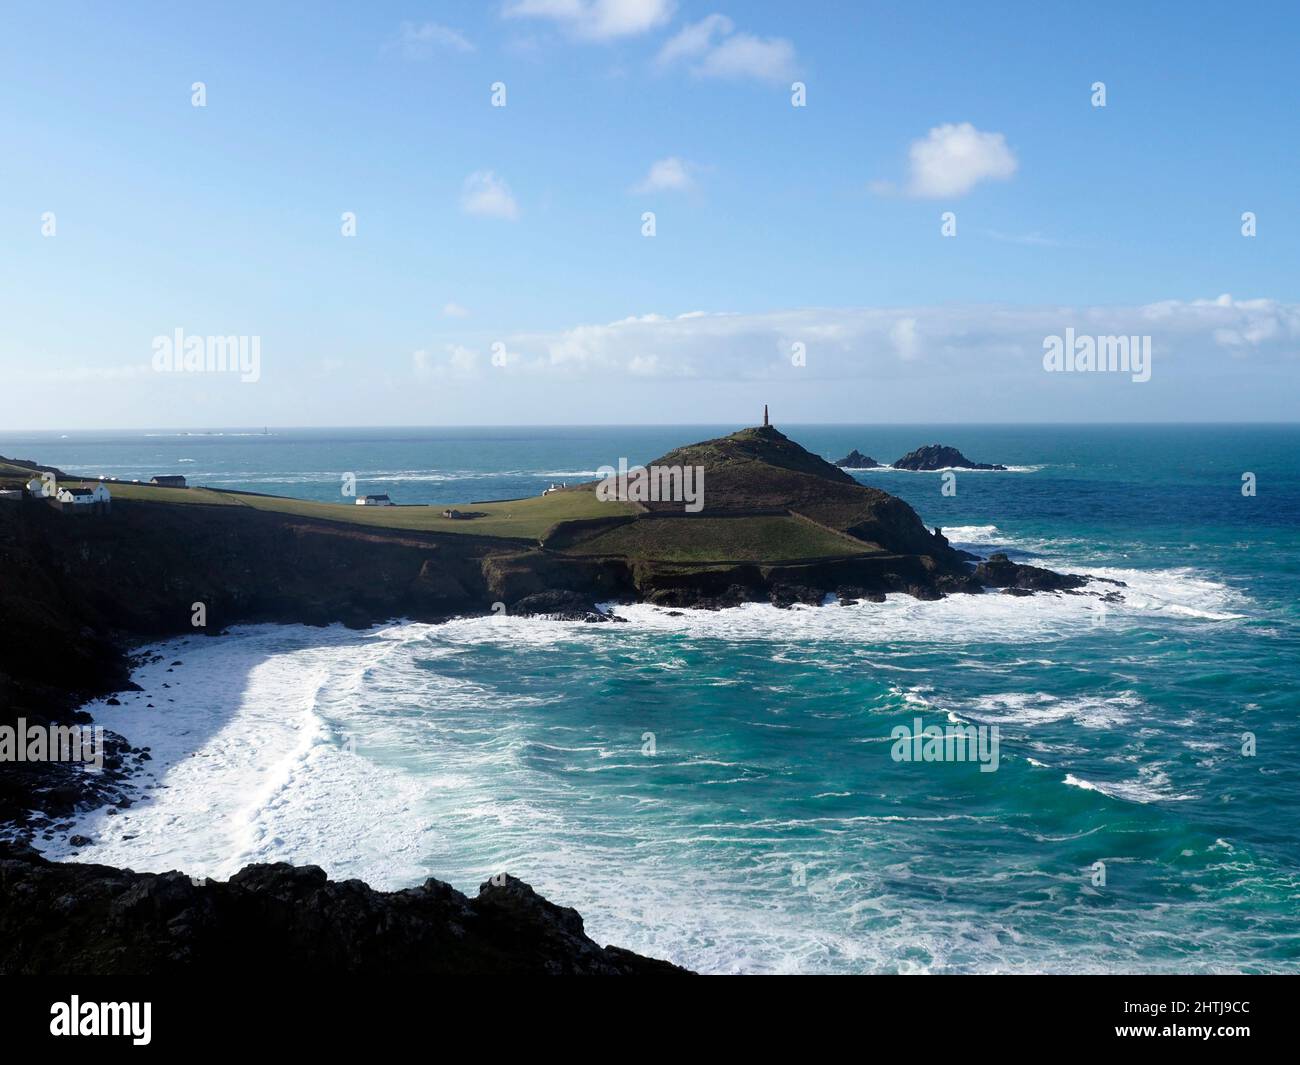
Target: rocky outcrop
<point>998,571</point>
<point>58,918</point>
<point>940,457</point>
<point>560,605</point>
<point>856,460</point>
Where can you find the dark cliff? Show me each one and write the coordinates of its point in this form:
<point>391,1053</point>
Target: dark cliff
<point>70,918</point>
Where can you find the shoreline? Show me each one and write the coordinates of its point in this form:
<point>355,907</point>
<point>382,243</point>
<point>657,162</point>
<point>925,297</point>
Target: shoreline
<point>159,667</point>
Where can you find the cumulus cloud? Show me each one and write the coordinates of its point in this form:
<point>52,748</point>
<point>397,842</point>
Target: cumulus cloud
<point>488,196</point>
<point>952,159</point>
<point>597,20</point>
<point>667,175</point>
<point>421,40</point>
<point>913,344</point>
<point>713,49</point>
<point>1237,325</point>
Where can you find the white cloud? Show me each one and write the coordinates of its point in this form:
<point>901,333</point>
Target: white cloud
<point>939,345</point>
<point>458,361</point>
<point>951,159</point>
<point>667,175</point>
<point>597,20</point>
<point>419,41</point>
<point>1236,324</point>
<point>695,38</point>
<point>746,56</point>
<point>488,196</point>
<point>454,310</point>
<point>715,50</point>
<point>903,334</point>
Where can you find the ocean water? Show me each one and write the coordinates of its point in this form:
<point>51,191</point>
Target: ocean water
<point>769,830</point>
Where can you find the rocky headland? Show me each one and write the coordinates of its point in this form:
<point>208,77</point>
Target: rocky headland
<point>79,595</point>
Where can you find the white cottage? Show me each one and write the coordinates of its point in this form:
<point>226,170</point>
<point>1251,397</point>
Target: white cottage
<point>85,497</point>
<point>375,501</point>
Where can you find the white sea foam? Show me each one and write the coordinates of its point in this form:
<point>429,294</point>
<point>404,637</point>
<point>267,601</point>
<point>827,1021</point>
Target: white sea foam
<point>1041,708</point>
<point>251,764</point>
<point>1152,785</point>
<point>1179,591</point>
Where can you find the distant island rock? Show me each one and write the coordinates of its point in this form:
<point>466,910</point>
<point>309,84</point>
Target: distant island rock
<point>856,460</point>
<point>940,457</point>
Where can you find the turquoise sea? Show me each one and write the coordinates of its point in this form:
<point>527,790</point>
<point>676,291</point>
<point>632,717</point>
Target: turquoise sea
<point>768,830</point>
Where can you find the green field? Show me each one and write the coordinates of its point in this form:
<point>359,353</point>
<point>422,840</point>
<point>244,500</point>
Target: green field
<point>526,518</point>
<point>749,539</point>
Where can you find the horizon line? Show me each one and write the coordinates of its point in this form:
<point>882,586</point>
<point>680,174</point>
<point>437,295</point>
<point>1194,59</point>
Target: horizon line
<point>264,429</point>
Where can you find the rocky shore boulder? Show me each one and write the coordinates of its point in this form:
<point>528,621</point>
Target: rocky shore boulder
<point>58,918</point>
<point>940,457</point>
<point>856,460</point>
<point>998,571</point>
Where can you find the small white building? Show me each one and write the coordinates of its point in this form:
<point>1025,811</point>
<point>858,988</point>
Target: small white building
<point>555,487</point>
<point>84,497</point>
<point>36,486</point>
<point>375,501</point>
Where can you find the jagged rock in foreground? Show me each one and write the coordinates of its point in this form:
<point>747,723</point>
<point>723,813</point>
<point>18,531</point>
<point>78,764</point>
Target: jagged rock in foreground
<point>60,918</point>
<point>856,460</point>
<point>940,457</point>
<point>1019,579</point>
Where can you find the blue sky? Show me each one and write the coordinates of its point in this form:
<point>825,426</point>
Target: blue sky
<point>520,226</point>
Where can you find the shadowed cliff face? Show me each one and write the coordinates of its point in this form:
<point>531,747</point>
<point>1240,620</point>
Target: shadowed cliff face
<point>69,918</point>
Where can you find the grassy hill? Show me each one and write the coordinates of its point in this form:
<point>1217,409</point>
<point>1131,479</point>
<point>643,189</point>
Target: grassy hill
<point>740,539</point>
<point>762,468</point>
